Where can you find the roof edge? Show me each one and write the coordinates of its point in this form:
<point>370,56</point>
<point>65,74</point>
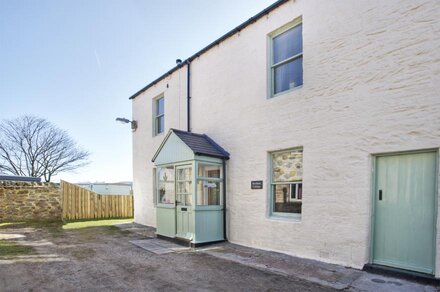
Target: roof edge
<point>170,131</point>
<point>214,43</point>
<point>220,148</point>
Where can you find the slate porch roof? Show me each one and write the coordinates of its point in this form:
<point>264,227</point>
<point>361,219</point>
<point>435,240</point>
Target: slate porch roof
<point>200,144</point>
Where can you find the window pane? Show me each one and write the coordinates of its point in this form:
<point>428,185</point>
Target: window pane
<point>282,202</point>
<point>184,173</point>
<point>160,124</point>
<point>184,199</point>
<point>296,191</point>
<point>166,194</point>
<point>288,75</point>
<point>188,200</point>
<point>206,170</point>
<point>287,44</point>
<point>184,187</point>
<point>160,106</point>
<point>208,193</point>
<point>287,166</point>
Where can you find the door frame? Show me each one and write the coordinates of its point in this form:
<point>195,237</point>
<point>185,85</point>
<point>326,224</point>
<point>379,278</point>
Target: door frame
<point>373,197</point>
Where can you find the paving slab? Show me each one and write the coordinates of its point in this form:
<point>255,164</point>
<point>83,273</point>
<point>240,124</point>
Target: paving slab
<point>159,246</point>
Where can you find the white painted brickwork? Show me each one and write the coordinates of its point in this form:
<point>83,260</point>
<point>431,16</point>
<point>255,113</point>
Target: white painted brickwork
<point>371,85</point>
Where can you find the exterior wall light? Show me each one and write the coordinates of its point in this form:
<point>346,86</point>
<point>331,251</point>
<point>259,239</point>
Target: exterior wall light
<point>126,121</point>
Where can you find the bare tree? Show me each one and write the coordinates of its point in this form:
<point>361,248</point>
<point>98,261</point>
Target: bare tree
<point>31,146</point>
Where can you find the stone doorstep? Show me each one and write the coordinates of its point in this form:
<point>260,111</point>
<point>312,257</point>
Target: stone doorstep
<point>329,275</point>
<point>158,246</point>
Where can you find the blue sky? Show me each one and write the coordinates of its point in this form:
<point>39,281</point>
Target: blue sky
<point>76,63</point>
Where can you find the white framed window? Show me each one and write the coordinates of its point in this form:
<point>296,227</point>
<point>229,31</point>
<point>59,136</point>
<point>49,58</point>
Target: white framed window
<point>286,186</point>
<point>158,115</point>
<point>286,58</point>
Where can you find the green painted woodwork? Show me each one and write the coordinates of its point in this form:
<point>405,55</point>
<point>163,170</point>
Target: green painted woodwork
<point>404,220</point>
<point>166,221</point>
<point>173,150</point>
<point>185,222</point>
<point>198,224</point>
<point>208,225</point>
<point>184,202</point>
<point>208,159</point>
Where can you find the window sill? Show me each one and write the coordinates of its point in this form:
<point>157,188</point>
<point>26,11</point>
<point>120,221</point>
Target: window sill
<point>208,208</point>
<point>296,218</point>
<point>165,206</point>
<point>285,92</point>
<point>158,135</point>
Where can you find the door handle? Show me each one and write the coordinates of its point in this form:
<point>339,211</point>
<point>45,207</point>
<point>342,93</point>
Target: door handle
<point>380,195</point>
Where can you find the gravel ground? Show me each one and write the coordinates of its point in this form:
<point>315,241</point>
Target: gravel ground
<point>102,258</point>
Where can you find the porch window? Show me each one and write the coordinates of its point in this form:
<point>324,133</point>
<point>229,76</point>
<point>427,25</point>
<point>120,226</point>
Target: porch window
<point>286,63</point>
<point>166,192</point>
<point>286,181</point>
<point>184,186</point>
<point>209,184</point>
<point>159,116</point>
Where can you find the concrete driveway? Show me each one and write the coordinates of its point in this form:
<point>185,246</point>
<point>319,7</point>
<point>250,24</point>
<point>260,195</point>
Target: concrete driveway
<point>48,257</point>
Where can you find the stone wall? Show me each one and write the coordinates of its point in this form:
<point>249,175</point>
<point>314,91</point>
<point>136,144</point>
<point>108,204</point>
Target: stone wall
<point>29,201</point>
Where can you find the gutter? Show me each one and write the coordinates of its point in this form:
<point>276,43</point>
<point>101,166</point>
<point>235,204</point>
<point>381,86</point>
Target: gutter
<point>224,200</point>
<point>188,96</point>
<point>215,43</point>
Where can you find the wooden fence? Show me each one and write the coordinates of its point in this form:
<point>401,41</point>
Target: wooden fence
<point>80,203</point>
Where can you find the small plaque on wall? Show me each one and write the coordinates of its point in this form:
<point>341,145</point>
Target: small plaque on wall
<point>256,184</point>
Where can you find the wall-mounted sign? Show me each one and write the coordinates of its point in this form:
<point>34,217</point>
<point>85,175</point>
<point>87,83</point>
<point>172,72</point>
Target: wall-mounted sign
<point>256,184</point>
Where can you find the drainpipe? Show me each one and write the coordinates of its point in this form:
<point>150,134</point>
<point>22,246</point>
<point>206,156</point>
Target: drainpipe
<point>188,98</point>
<point>224,199</point>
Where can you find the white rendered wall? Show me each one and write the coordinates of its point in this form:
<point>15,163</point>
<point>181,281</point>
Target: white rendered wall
<point>371,85</point>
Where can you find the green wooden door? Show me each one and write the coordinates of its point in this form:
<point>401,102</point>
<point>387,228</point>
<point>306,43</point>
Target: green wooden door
<point>184,202</point>
<point>405,211</point>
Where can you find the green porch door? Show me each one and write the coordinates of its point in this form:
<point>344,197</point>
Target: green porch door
<point>184,212</point>
<point>405,211</point>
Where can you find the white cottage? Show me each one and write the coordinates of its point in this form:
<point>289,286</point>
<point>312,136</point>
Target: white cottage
<point>325,117</point>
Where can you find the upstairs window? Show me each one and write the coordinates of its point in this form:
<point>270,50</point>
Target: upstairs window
<point>286,70</point>
<point>159,116</point>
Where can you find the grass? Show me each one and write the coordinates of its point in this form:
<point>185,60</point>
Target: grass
<point>8,248</point>
<point>79,224</point>
<point>55,226</point>
<point>11,224</point>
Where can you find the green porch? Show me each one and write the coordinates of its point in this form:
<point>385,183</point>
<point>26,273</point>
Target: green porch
<point>190,192</point>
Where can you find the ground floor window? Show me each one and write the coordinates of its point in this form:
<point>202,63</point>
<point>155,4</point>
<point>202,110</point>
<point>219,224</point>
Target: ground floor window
<point>166,191</point>
<point>286,181</point>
